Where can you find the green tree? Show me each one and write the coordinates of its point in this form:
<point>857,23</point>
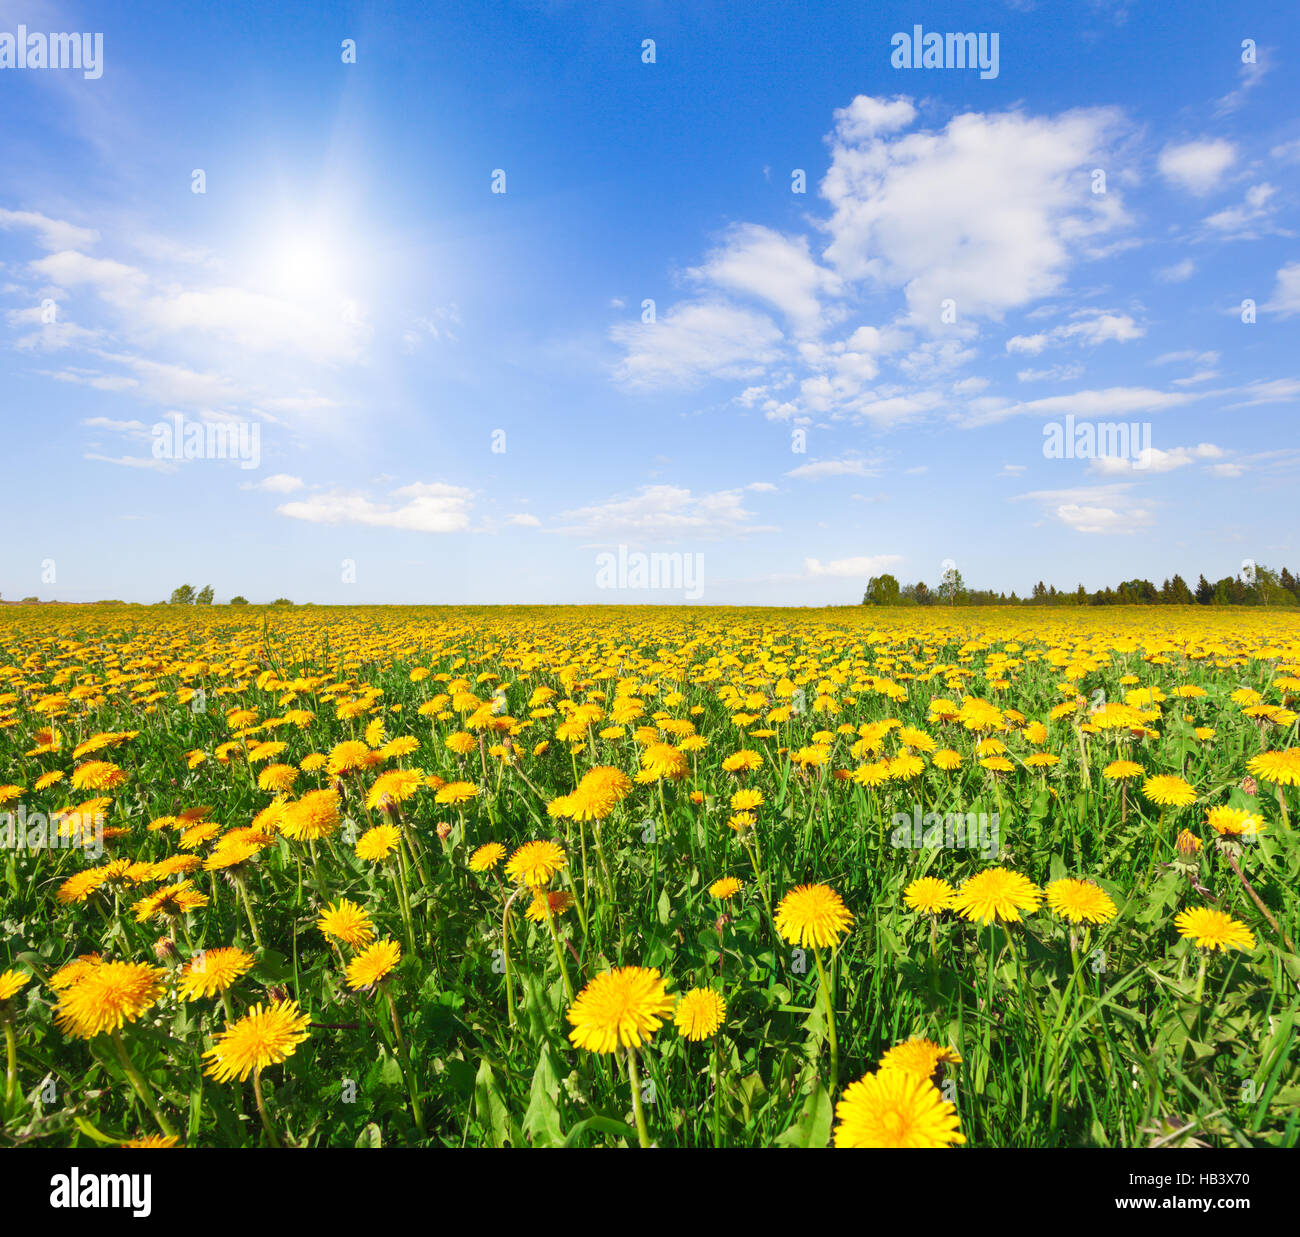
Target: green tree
<point>882,590</point>
<point>204,597</point>
<point>952,588</point>
<point>239,601</point>
<point>183,596</point>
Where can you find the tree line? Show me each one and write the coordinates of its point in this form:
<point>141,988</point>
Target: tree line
<point>1256,586</point>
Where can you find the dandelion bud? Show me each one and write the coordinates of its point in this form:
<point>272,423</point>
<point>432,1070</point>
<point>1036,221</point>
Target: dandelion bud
<point>1249,785</point>
<point>164,949</point>
<point>444,831</point>
<point>1188,844</point>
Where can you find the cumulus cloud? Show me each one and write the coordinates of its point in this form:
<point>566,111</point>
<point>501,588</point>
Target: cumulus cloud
<point>779,270</point>
<point>1286,295</point>
<point>1197,166</point>
<point>1100,509</point>
<point>1154,460</point>
<point>425,507</point>
<point>277,483</point>
<point>991,211</point>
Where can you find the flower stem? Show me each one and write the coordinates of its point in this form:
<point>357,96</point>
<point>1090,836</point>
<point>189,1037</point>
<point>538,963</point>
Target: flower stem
<point>416,1111</point>
<point>830,1021</point>
<point>141,1086</point>
<point>261,1109</point>
<point>634,1077</point>
<point>11,1071</point>
<point>248,910</point>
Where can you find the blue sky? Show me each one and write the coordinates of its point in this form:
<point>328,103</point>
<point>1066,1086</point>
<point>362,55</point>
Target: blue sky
<point>348,286</point>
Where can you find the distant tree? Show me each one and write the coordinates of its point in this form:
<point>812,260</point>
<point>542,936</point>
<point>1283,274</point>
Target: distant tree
<point>183,596</point>
<point>1179,593</point>
<point>952,588</point>
<point>204,596</point>
<point>282,601</point>
<point>239,601</point>
<point>1204,591</point>
<point>882,590</point>
<point>31,601</point>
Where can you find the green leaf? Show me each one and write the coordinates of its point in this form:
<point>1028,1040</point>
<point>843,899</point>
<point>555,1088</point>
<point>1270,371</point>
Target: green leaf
<point>812,1127</point>
<point>542,1120</point>
<point>490,1107</point>
<point>601,1125</point>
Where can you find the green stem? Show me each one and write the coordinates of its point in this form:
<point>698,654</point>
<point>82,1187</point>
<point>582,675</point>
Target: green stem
<point>248,910</point>
<point>11,1071</point>
<point>261,1109</point>
<point>634,1077</point>
<point>416,1111</point>
<point>141,1086</point>
<point>559,956</point>
<point>830,1021</point>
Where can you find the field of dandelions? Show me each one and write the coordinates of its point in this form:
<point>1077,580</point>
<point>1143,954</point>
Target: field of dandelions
<point>678,877</point>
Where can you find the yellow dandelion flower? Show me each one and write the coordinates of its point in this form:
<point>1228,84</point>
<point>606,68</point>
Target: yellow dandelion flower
<point>535,863</point>
<point>929,895</point>
<point>893,1108</point>
<point>372,964</point>
<point>622,1007</point>
<point>1080,901</point>
<point>1212,929</point>
<point>266,1035</point>
<point>812,915</point>
<point>700,1014</point>
<point>347,922</point>
<point>996,894</point>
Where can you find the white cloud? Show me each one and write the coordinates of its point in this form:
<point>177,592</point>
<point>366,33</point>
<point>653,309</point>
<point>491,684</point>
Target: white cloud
<point>818,469</point>
<point>1110,401</point>
<point>664,512</point>
<point>1286,296</point>
<point>52,234</point>
<point>428,508</point>
<point>780,270</point>
<point>1055,373</point>
<point>866,117</point>
<point>1153,460</point>
<point>1100,509</point>
<point>863,568</point>
<point>1197,166</point>
<point>524,520</point>
<point>1178,272</point>
<point>1238,222</point>
<point>989,212</point>
<point>694,341</point>
<point>277,483</point>
<point>1091,326</point>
